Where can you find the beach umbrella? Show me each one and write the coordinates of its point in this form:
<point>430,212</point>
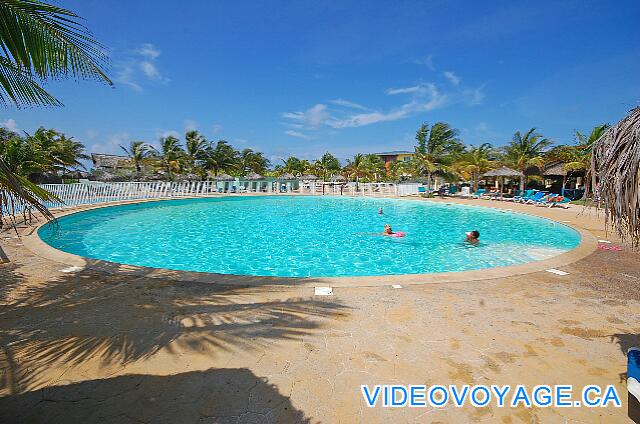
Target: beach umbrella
<point>287,176</point>
<point>615,176</point>
<point>503,172</point>
<point>254,176</point>
<point>223,177</point>
<point>309,177</point>
<point>338,178</point>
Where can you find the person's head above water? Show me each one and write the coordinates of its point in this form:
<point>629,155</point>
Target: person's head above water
<point>387,229</point>
<point>380,211</point>
<point>473,236</point>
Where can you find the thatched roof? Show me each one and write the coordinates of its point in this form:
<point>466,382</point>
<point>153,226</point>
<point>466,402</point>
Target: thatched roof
<point>223,177</point>
<point>287,176</point>
<point>309,177</point>
<point>615,175</point>
<point>557,169</point>
<point>503,172</point>
<point>102,161</point>
<point>254,176</point>
<point>338,178</point>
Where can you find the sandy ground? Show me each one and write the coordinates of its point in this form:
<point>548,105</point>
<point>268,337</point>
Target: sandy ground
<point>93,346</point>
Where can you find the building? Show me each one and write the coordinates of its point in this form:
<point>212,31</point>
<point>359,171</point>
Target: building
<point>397,155</point>
<point>110,162</point>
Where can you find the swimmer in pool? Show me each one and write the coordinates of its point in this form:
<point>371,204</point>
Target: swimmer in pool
<point>380,211</point>
<point>389,232</point>
<point>473,237</point>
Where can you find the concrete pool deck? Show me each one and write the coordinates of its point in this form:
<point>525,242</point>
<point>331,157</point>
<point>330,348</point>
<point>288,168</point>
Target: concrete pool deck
<point>114,345</point>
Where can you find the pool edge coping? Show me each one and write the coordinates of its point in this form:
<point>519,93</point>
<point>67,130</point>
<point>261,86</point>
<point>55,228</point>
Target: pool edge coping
<point>32,241</point>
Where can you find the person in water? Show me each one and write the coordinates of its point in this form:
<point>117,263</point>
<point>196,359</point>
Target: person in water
<point>380,211</point>
<point>473,237</point>
<point>389,232</point>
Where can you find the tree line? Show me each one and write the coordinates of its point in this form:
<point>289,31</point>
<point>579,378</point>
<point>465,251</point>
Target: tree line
<point>438,153</point>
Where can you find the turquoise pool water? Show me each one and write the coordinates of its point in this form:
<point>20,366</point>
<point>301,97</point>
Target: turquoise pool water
<point>307,236</point>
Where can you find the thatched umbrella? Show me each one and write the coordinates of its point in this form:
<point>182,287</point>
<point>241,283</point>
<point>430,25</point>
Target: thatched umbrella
<point>559,169</point>
<point>615,176</point>
<point>337,178</point>
<point>309,177</point>
<point>254,176</point>
<point>223,177</point>
<point>503,172</point>
<point>286,176</point>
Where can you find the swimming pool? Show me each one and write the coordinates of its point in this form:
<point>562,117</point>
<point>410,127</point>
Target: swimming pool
<point>307,236</point>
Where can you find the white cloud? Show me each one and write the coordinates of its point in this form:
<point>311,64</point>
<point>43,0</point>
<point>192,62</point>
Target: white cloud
<point>426,61</point>
<point>167,133</point>
<point>421,98</point>
<point>150,70</point>
<point>313,118</point>
<point>216,128</point>
<point>190,125</point>
<point>149,51</point>
<point>137,65</point>
<point>126,75</point>
<point>111,145</point>
<point>10,124</point>
<point>297,134</point>
<point>349,104</point>
<point>452,77</point>
<point>437,100</point>
<point>474,96</point>
<point>422,89</point>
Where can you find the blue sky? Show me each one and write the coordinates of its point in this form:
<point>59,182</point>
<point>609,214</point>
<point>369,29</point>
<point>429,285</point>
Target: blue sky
<point>306,77</point>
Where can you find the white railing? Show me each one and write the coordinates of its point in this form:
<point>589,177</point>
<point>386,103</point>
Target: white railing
<point>72,195</point>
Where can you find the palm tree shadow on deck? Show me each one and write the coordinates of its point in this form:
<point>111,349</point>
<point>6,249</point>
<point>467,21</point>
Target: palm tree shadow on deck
<point>117,318</point>
<point>225,395</point>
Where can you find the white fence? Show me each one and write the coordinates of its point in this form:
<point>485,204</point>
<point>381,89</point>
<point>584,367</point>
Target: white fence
<point>72,195</point>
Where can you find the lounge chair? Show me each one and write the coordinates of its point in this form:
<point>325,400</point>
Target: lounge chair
<point>453,190</point>
<point>564,203</point>
<point>544,200</point>
<point>479,193</point>
<point>535,198</point>
<point>492,195</point>
<point>527,195</point>
<point>422,191</point>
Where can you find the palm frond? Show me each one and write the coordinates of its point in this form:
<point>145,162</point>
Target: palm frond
<point>46,42</point>
<point>19,88</point>
<point>16,190</point>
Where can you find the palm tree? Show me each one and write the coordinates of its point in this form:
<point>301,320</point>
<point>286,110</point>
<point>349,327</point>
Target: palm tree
<point>41,41</point>
<point>582,156</point>
<point>58,153</point>
<point>435,149</point>
<point>69,153</point>
<point>356,168</point>
<point>327,165</point>
<point>222,157</point>
<point>474,162</point>
<point>250,161</point>
<point>374,166</point>
<point>171,155</point>
<point>139,152</point>
<point>526,151</point>
<point>291,165</point>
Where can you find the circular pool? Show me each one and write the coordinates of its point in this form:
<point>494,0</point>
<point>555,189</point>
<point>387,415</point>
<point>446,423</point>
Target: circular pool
<point>307,236</point>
